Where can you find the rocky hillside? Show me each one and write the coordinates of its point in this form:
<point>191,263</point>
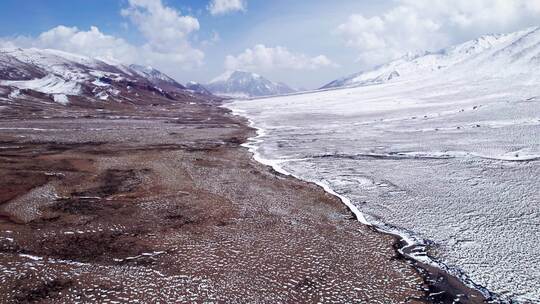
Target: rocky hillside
<point>49,76</point>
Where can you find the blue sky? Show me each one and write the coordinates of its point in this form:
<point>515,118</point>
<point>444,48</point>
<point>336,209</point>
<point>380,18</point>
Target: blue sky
<point>305,43</point>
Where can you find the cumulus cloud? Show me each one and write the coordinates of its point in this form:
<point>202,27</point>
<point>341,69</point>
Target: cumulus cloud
<point>163,27</point>
<point>91,43</point>
<point>165,30</point>
<point>222,7</point>
<point>262,58</point>
<point>413,25</point>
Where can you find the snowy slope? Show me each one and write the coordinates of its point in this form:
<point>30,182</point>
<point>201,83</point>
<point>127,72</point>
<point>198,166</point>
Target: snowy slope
<point>518,53</point>
<point>197,88</point>
<point>63,77</point>
<point>446,154</point>
<point>246,84</point>
<point>156,77</point>
<point>50,84</point>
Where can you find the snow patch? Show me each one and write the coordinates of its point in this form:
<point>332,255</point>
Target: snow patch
<point>61,99</point>
<point>14,94</point>
<point>50,84</point>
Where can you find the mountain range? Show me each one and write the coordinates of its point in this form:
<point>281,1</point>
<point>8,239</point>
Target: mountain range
<point>68,78</point>
<point>65,78</point>
<point>43,75</point>
<point>498,55</point>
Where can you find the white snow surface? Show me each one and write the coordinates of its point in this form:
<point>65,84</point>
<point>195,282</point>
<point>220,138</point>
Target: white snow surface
<point>61,64</point>
<point>450,159</point>
<point>49,84</point>
<point>41,57</point>
<point>61,99</point>
<point>65,72</point>
<point>14,94</point>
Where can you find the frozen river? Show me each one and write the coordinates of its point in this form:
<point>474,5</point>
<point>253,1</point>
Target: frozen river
<point>455,165</point>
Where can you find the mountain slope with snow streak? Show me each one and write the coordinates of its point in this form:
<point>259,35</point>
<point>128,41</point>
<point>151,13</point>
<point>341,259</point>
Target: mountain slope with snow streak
<point>197,88</point>
<point>157,78</point>
<point>61,77</point>
<point>507,55</point>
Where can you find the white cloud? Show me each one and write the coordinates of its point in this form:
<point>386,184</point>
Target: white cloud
<point>162,26</point>
<point>222,7</point>
<point>166,31</point>
<point>414,25</point>
<point>92,43</point>
<point>262,58</point>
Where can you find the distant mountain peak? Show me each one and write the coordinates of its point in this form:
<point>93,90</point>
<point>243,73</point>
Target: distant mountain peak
<point>230,74</point>
<point>239,83</point>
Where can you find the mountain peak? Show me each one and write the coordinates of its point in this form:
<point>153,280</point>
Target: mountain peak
<point>197,88</point>
<point>239,83</point>
<point>150,72</point>
<point>231,74</point>
<point>156,77</point>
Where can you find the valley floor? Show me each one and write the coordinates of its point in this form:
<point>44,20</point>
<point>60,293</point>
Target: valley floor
<point>452,165</point>
<point>163,205</point>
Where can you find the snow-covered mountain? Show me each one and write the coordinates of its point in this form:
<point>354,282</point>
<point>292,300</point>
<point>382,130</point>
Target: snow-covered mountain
<point>246,84</point>
<point>156,77</point>
<point>44,74</point>
<point>518,53</point>
<point>197,88</point>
